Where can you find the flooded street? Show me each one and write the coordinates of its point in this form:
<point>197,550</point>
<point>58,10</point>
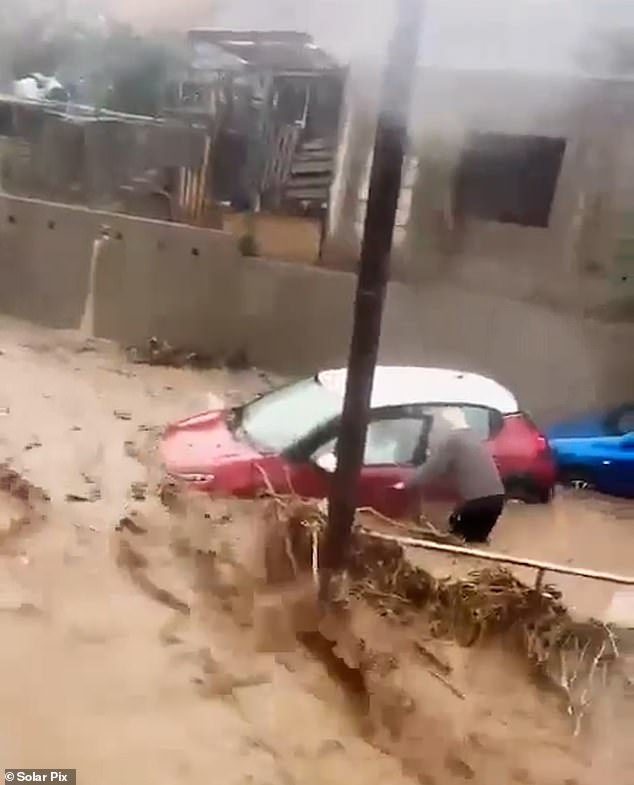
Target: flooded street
<point>579,529</point>
<point>88,677</point>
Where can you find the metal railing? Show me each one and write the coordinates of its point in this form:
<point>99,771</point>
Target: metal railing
<point>542,567</point>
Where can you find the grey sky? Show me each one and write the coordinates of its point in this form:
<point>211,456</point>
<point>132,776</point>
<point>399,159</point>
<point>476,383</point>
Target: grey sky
<point>541,35</point>
<point>535,35</point>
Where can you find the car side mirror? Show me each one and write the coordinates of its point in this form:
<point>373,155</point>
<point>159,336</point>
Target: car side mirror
<point>327,462</point>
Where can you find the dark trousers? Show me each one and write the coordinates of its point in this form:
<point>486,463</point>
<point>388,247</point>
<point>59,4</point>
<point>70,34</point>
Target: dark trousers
<point>474,520</point>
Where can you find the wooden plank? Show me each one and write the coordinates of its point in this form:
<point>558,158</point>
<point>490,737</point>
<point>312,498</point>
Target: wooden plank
<point>313,167</point>
<point>309,194</point>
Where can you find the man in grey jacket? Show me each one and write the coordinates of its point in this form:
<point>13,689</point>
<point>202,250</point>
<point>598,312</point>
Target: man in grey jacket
<point>459,455</point>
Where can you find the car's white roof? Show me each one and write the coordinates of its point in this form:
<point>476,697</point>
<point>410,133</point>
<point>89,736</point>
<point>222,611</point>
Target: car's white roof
<point>403,385</point>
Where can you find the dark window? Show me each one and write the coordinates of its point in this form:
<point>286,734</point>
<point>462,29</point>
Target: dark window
<point>509,179</point>
<point>291,101</point>
<point>326,95</point>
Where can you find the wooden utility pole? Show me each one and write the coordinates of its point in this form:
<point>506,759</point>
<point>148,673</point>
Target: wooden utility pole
<point>385,188</point>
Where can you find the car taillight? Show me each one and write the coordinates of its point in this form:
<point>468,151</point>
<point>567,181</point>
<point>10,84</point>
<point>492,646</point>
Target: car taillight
<point>542,448</point>
<point>541,442</point>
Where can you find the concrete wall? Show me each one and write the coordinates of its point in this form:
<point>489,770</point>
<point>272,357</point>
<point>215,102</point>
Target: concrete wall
<point>191,287</point>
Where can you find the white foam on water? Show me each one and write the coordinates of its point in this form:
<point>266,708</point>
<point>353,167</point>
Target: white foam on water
<point>621,610</point>
<point>87,324</point>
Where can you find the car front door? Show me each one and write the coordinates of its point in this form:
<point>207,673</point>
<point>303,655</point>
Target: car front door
<point>396,444</point>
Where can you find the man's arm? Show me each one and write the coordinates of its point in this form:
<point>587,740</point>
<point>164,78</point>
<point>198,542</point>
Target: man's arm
<point>437,465</point>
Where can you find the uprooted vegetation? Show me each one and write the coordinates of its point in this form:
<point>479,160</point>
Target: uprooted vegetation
<point>428,663</point>
<point>491,603</point>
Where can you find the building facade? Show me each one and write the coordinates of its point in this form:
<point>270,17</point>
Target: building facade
<point>514,184</point>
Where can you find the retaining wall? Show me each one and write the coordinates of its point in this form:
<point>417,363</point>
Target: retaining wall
<point>191,287</point>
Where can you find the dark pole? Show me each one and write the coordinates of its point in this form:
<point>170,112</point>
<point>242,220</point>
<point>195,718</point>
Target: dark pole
<point>385,187</point>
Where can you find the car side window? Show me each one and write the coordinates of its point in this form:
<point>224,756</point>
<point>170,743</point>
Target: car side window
<point>391,442</point>
<point>478,418</point>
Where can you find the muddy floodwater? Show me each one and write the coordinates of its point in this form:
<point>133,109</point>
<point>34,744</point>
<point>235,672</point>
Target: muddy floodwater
<point>89,679</point>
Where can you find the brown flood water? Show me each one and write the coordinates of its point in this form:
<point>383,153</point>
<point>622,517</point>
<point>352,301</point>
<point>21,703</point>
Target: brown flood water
<point>90,679</point>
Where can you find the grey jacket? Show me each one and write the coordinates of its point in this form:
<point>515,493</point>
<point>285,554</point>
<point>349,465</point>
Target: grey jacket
<point>464,460</point>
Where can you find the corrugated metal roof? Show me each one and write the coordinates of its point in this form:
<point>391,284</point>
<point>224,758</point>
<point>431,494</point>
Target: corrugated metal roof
<point>274,50</point>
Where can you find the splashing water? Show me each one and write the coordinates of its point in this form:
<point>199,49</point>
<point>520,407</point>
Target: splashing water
<point>87,324</point>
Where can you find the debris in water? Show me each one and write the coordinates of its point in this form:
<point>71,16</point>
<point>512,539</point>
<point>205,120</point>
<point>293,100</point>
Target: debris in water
<point>128,523</point>
<point>218,682</point>
<point>32,499</point>
<point>80,497</point>
<point>136,565</point>
<point>160,352</point>
<point>573,657</point>
<point>138,491</point>
<point>20,488</point>
<point>458,767</point>
<point>38,348</point>
<point>121,372</point>
<point>130,449</point>
<point>89,345</point>
<point>18,604</point>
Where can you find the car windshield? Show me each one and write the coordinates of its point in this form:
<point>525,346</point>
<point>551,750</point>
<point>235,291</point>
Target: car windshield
<point>279,419</point>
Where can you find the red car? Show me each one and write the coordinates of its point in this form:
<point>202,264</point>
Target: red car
<point>288,436</point>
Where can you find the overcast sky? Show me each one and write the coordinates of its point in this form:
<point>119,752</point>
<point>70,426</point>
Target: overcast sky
<point>541,35</point>
<point>534,35</point>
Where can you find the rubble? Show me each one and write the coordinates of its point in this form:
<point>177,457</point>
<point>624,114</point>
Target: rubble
<point>138,491</point>
<point>489,604</point>
<point>159,352</point>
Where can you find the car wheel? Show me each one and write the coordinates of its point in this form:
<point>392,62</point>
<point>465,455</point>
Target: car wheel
<point>539,495</point>
<point>576,476</point>
<point>544,495</point>
<point>529,493</point>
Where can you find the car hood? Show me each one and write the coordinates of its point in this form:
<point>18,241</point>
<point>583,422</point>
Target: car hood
<point>202,445</point>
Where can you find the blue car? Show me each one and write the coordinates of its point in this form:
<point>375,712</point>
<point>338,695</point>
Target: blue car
<point>597,449</point>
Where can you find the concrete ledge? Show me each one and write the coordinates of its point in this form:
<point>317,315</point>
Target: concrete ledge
<point>191,287</point>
